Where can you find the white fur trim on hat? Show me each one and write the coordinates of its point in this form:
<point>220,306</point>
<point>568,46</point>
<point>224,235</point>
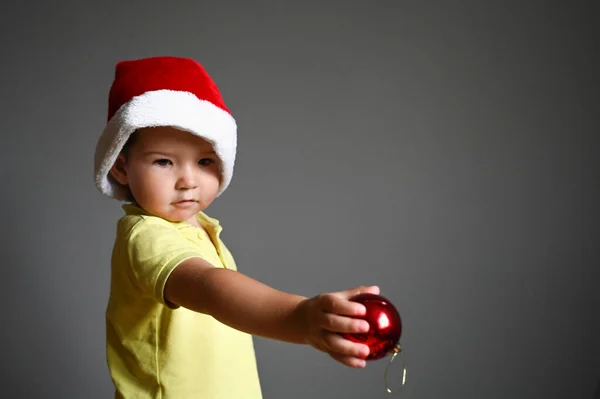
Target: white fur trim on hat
<point>181,110</point>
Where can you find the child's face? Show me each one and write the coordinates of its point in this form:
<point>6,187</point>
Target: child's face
<point>171,174</point>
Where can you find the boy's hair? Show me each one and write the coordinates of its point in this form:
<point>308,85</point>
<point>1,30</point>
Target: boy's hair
<point>130,141</point>
<point>125,151</point>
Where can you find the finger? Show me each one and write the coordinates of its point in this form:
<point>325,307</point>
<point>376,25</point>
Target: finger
<point>338,344</point>
<point>337,303</point>
<point>349,361</point>
<point>342,324</point>
<point>372,289</point>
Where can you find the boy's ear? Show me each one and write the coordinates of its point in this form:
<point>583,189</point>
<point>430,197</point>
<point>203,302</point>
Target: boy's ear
<point>118,170</point>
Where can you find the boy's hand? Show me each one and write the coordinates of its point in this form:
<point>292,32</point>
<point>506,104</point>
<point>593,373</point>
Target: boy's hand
<point>333,313</point>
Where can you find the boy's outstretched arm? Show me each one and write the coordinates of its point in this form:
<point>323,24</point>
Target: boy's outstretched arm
<point>253,307</point>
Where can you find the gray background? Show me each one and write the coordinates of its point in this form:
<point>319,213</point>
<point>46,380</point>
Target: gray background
<point>446,151</point>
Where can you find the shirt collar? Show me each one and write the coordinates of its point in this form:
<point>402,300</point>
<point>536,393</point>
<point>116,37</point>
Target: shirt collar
<point>205,221</point>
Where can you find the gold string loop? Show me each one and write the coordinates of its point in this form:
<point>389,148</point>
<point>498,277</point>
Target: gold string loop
<point>396,351</point>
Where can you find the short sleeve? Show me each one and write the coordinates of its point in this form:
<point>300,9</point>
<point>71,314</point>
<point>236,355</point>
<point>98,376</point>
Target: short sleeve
<point>155,248</point>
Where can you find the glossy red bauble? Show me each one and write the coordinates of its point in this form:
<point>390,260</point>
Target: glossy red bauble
<point>385,326</point>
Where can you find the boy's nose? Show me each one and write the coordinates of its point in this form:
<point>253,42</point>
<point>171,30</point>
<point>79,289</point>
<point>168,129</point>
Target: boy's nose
<point>187,179</point>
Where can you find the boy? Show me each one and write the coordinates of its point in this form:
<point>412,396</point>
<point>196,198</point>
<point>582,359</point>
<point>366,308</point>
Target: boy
<point>180,318</point>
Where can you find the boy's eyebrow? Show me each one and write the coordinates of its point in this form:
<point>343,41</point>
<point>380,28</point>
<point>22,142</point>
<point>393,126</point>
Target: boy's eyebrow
<point>148,153</point>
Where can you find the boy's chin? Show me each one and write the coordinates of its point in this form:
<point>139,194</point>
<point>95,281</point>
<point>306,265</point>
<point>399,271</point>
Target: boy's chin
<point>181,215</point>
<point>175,216</point>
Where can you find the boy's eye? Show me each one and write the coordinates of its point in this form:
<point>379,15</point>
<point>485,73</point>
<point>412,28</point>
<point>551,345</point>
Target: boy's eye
<point>162,162</point>
<point>205,161</point>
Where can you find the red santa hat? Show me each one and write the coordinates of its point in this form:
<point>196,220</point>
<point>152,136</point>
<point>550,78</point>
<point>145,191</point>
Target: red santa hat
<point>163,91</point>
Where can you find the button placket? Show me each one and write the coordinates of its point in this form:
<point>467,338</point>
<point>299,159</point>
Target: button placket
<point>217,241</point>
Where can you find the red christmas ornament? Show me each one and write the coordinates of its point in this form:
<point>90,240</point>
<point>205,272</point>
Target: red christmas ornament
<point>385,326</point>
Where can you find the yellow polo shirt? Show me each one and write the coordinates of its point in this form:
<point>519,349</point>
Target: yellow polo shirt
<point>158,351</point>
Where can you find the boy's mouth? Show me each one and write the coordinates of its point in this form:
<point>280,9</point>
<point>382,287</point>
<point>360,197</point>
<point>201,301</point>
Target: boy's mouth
<point>185,202</point>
